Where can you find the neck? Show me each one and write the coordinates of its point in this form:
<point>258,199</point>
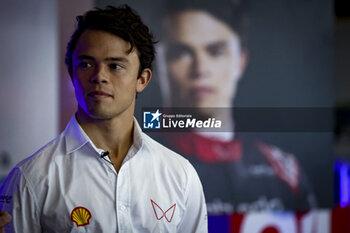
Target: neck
<point>227,131</point>
<point>114,135</point>
<point>225,115</point>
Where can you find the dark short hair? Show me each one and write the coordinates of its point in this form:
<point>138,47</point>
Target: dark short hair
<point>121,21</point>
<point>231,12</point>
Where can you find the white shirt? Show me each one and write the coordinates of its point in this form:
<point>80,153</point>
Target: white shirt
<point>67,187</point>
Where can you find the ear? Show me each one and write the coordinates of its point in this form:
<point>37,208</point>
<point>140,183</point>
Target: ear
<point>143,79</point>
<point>243,61</point>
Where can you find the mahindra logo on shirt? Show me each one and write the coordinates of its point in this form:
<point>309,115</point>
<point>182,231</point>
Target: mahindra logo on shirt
<point>160,213</point>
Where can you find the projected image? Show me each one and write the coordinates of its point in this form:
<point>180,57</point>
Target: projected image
<point>205,57</point>
<point>209,60</point>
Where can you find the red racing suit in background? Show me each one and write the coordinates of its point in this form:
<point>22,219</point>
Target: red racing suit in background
<point>243,174</point>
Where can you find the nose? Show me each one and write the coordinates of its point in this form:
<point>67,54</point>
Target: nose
<point>200,66</point>
<point>99,76</point>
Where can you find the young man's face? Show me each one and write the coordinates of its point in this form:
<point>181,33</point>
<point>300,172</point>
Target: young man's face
<point>105,75</point>
<point>204,60</point>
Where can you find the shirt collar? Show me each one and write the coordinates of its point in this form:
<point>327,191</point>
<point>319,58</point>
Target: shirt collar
<point>76,137</point>
<point>138,142</point>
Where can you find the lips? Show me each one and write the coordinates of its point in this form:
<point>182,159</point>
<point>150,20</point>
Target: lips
<point>202,92</point>
<point>99,94</point>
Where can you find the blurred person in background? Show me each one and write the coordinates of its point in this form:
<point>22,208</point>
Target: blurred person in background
<point>201,58</point>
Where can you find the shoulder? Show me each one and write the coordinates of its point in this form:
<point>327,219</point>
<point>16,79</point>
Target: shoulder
<point>163,153</point>
<point>37,166</point>
<point>30,176</point>
<point>167,160</point>
<point>170,166</point>
<point>275,155</point>
<point>285,165</point>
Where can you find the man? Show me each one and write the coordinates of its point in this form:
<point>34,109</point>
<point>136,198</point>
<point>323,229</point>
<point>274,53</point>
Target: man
<point>102,174</point>
<point>203,56</point>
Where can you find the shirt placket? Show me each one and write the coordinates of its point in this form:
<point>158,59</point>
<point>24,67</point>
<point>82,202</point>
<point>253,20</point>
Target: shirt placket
<point>123,199</point>
<point>113,178</point>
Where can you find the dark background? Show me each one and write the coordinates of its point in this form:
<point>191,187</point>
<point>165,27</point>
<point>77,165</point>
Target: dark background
<point>291,64</point>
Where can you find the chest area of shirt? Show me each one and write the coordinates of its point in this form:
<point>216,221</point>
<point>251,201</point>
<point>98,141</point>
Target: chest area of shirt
<point>103,201</point>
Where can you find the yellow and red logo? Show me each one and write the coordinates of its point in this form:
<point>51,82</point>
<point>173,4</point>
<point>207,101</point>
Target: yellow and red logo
<point>81,216</point>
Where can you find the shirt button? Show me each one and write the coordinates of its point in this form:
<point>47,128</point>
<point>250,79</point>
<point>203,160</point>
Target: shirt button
<point>122,207</point>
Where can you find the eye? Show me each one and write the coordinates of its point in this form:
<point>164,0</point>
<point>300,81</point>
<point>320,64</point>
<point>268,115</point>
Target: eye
<point>216,50</point>
<point>84,65</point>
<point>177,52</point>
<point>114,66</point>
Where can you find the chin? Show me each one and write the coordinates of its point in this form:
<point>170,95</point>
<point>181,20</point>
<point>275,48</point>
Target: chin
<point>98,115</point>
<point>205,104</point>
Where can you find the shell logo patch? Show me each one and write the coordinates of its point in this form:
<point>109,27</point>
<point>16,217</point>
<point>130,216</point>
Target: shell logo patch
<point>81,216</point>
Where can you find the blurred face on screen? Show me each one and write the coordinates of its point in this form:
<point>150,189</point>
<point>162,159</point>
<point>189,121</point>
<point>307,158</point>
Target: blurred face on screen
<point>204,60</point>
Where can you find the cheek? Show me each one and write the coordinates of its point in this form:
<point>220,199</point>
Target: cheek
<point>78,89</point>
<point>227,69</point>
<point>178,70</point>
<point>125,87</point>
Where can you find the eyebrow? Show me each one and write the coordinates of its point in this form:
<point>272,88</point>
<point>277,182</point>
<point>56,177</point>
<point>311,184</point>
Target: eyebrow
<point>217,44</point>
<point>178,45</point>
<point>121,59</point>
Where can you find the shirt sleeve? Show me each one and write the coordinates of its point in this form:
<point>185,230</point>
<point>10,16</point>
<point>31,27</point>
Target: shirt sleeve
<point>17,198</point>
<point>195,219</point>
